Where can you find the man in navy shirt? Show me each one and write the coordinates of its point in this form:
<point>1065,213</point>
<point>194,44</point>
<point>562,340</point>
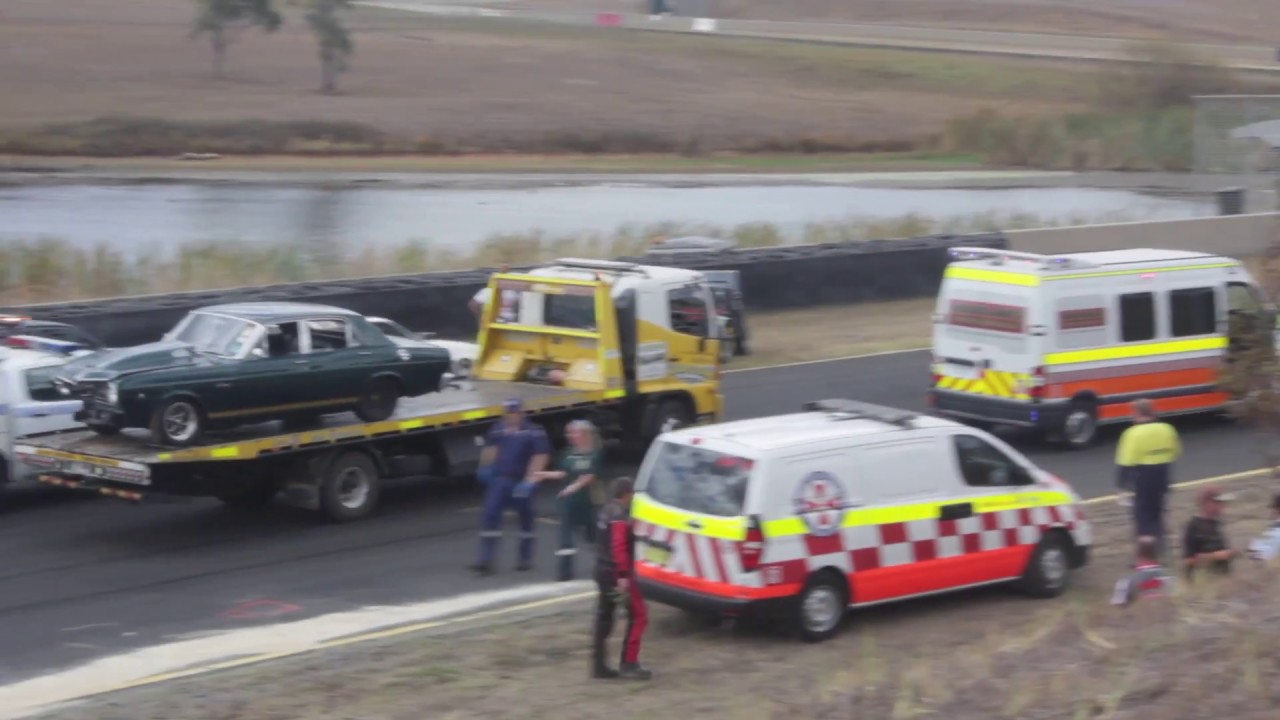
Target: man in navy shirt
<point>515,451</point>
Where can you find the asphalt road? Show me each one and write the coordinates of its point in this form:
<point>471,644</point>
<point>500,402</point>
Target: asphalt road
<point>85,577</point>
<point>1042,45</point>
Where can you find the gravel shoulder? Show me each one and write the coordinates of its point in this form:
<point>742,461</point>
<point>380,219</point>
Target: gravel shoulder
<point>975,655</point>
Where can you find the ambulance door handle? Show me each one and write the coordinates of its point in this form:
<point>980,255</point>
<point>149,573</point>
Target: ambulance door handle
<point>956,512</point>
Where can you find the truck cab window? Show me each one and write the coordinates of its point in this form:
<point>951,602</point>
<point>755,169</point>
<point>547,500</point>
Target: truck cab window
<point>689,314</point>
<point>983,465</point>
<point>575,312</point>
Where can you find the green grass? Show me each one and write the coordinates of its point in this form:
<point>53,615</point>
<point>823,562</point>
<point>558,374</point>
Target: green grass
<point>46,270</point>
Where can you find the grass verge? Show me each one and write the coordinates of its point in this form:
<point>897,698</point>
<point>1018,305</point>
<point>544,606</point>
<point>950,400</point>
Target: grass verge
<point>1211,651</point>
<point>53,270</point>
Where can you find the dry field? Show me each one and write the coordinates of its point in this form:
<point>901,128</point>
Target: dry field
<point>1251,21</point>
<point>496,85</point>
<point>1214,651</point>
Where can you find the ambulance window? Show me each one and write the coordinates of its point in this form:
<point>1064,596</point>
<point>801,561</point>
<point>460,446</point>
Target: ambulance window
<point>986,316</point>
<point>1193,311</point>
<point>984,465</point>
<point>1137,317</point>
<point>40,385</point>
<point>699,480</point>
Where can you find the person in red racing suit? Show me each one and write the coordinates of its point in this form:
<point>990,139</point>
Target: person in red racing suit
<point>615,562</point>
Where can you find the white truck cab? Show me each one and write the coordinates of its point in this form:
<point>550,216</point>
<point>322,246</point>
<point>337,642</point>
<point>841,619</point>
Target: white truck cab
<point>29,402</point>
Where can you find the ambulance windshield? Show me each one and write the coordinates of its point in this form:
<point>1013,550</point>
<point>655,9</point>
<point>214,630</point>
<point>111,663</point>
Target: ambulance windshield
<point>699,480</point>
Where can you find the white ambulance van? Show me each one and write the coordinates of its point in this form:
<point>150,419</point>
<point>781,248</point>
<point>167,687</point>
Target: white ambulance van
<point>845,504</point>
<point>1066,343</point>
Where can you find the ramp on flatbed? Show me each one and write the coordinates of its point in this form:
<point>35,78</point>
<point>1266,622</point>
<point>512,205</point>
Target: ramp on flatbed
<point>470,403</point>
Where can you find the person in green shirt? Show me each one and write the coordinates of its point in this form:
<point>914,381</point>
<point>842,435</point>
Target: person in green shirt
<point>578,469</point>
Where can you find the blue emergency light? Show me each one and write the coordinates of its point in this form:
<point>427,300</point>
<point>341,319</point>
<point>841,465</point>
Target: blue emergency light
<point>57,347</point>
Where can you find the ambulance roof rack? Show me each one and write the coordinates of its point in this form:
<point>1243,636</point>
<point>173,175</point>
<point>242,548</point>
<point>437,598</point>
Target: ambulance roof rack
<point>998,256</point>
<point>600,265</point>
<point>841,409</point>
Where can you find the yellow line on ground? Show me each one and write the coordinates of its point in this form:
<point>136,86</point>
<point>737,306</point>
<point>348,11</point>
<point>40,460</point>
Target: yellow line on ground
<point>497,612</point>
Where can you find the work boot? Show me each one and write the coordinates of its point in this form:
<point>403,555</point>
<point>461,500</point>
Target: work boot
<point>634,671</point>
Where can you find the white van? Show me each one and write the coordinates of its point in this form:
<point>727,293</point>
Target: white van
<point>29,402</point>
<point>845,504</point>
<point>1065,343</point>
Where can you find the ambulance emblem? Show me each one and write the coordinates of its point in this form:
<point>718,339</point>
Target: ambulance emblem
<point>820,502</point>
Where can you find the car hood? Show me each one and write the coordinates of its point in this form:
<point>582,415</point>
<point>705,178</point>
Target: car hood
<point>111,364</point>
<point>457,348</point>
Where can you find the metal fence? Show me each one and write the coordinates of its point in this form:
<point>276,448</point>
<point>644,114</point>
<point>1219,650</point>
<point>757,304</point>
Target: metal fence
<point>1237,134</point>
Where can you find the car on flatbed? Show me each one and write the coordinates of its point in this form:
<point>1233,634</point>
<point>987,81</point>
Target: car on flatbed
<point>462,354</point>
<point>591,339</point>
<point>229,365</point>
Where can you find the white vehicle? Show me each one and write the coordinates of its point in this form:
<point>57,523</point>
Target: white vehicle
<point>462,354</point>
<point>29,402</point>
<point>845,504</point>
<point>1066,343</point>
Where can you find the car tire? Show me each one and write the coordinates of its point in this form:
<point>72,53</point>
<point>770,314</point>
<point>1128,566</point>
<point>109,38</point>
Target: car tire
<point>178,422</point>
<point>105,429</point>
<point>1080,426</point>
<point>379,400</point>
<point>1049,571</point>
<point>350,488</point>
<point>820,607</point>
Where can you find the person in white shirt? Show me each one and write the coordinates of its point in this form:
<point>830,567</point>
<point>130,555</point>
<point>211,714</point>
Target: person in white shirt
<point>508,311</point>
<point>1266,547</point>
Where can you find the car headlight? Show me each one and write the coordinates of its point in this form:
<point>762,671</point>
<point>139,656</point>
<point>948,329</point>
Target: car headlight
<point>113,393</point>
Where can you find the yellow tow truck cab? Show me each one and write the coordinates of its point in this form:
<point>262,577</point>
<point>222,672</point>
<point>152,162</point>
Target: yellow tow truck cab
<point>633,348</point>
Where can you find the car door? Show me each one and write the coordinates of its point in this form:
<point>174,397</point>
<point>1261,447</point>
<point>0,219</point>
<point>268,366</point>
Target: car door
<point>337,365</point>
<point>995,485</point>
<point>267,382</point>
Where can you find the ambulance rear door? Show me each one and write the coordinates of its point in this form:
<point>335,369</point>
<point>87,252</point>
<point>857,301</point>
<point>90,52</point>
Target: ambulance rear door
<point>988,337</point>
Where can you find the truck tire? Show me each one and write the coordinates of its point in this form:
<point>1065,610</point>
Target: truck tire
<point>379,400</point>
<point>1049,569</point>
<point>820,606</point>
<point>671,414</point>
<point>350,488</point>
<point>178,422</point>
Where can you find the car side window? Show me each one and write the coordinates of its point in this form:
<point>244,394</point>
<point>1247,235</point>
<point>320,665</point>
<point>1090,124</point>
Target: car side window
<point>40,385</point>
<point>984,465</point>
<point>282,340</point>
<point>328,335</point>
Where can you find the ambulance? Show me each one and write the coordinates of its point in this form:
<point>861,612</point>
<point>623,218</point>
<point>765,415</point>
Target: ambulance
<point>843,505</point>
<point>1063,344</point>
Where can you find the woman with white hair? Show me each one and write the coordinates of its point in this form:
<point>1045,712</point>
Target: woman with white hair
<point>578,467</point>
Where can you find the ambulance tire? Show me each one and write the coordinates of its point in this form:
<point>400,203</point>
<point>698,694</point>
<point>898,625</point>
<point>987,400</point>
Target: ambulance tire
<point>1080,426</point>
<point>821,605</point>
<point>1049,569</point>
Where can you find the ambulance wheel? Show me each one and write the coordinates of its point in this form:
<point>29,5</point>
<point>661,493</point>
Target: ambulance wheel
<point>821,606</point>
<point>1049,569</point>
<point>1080,426</point>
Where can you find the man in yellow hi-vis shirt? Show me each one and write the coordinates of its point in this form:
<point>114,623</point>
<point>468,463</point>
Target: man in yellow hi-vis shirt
<point>1147,450</point>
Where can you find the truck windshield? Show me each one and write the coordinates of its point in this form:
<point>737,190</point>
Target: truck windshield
<point>699,480</point>
<point>216,334</point>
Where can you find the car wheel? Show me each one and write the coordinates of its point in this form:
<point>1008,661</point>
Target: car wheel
<point>178,422</point>
<point>351,487</point>
<point>1080,426</point>
<point>379,400</point>
<point>105,429</point>
<point>820,607</point>
<point>1049,569</point>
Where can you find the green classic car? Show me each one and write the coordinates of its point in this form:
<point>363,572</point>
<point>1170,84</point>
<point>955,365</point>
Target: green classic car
<point>230,365</point>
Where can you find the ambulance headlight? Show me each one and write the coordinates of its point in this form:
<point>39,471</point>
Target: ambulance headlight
<point>113,393</point>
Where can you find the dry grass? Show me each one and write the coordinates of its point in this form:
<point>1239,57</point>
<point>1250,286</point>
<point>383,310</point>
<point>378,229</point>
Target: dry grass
<point>829,332</point>
<point>1214,651</point>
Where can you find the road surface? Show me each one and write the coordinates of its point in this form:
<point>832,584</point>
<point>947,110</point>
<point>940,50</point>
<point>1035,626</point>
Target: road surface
<point>85,577</point>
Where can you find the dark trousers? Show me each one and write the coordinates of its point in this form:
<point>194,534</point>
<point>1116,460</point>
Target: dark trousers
<point>577,514</point>
<point>607,602</point>
<point>499,496</point>
<point>1150,491</point>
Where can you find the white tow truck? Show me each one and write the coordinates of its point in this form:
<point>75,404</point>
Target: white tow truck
<point>29,402</point>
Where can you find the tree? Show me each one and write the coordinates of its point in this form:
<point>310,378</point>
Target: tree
<point>222,20</point>
<point>1251,372</point>
<point>335,42</point>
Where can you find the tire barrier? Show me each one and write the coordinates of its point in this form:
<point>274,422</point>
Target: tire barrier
<point>773,278</point>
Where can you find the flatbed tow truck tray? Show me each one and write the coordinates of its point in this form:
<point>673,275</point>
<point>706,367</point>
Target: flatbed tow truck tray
<point>468,404</point>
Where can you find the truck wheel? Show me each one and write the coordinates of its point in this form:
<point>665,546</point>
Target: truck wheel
<point>1049,569</point>
<point>378,401</point>
<point>351,487</point>
<point>821,606</point>
<point>1080,426</point>
<point>105,429</point>
<point>178,422</point>
<point>672,414</point>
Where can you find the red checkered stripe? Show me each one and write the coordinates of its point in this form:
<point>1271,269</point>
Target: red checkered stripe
<point>697,556</point>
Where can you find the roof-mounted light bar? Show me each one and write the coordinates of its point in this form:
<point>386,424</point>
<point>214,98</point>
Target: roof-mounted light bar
<point>842,409</point>
<point>614,266</point>
<point>39,344</point>
<point>998,256</point>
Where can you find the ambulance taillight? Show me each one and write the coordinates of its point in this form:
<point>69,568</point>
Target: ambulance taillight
<point>1037,384</point>
<point>751,548</point>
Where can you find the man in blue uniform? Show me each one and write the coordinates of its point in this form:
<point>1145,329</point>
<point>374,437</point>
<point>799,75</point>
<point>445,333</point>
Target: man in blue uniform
<point>516,449</point>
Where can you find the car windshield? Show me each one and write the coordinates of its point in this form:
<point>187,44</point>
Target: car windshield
<point>215,334</point>
<point>699,480</point>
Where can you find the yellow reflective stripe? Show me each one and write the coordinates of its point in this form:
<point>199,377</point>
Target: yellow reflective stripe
<point>614,394</point>
<point>412,424</point>
<point>472,415</point>
<point>1113,273</point>
<point>1003,277</point>
<point>225,452</point>
<point>726,528</point>
<point>1135,351</point>
<point>784,527</point>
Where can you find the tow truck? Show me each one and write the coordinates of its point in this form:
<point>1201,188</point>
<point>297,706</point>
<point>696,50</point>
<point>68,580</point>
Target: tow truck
<point>618,343</point>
